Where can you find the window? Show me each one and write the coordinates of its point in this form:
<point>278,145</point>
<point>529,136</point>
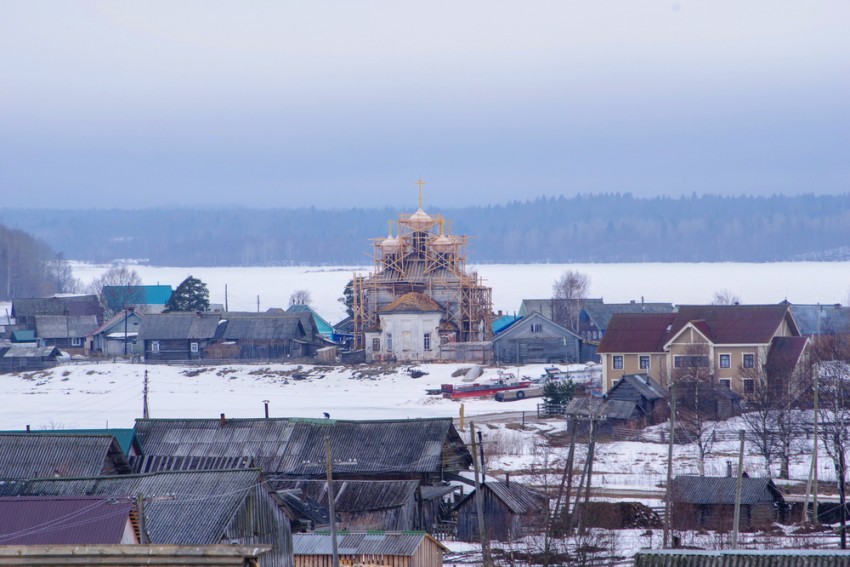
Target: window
<point>536,327</point>
<point>154,346</point>
<point>690,361</point>
<point>725,361</point>
<point>376,344</point>
<point>749,360</point>
<point>726,382</point>
<point>389,342</point>
<point>193,347</point>
<point>749,387</point>
<point>644,363</point>
<point>618,362</point>
<point>76,341</point>
<point>426,341</point>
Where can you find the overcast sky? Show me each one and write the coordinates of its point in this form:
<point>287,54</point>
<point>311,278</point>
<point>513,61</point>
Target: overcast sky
<point>340,104</point>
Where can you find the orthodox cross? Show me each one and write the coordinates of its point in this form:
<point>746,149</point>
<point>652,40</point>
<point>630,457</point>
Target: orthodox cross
<point>420,183</point>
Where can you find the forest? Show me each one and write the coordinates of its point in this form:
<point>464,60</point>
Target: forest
<point>584,228</point>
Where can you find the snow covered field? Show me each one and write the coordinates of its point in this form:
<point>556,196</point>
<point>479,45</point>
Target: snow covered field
<point>799,282</point>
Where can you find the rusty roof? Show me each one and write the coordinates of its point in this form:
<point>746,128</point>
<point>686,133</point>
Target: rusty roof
<point>413,301</point>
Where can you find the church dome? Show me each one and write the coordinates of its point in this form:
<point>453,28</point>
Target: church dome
<point>442,244</point>
<point>391,245</point>
<point>420,220</point>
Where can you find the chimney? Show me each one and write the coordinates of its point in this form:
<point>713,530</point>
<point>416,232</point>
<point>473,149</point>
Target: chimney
<point>28,427</point>
<point>728,469</point>
<point>642,304</point>
<point>508,479</point>
<point>222,420</point>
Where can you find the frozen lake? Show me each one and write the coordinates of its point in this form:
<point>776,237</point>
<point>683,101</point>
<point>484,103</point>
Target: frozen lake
<point>799,282</point>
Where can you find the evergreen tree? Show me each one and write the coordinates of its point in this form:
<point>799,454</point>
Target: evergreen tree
<point>190,295</point>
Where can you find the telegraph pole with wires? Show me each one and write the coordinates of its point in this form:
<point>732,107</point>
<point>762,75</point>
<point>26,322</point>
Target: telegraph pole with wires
<point>145,413</point>
<point>331,511</point>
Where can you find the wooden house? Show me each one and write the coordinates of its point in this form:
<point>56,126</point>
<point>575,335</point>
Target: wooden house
<point>67,332</point>
<point>118,336</point>
<point>24,311</point>
<point>537,339</point>
<point>266,336</point>
<point>196,508</point>
<point>178,336</point>
<point>367,549</point>
<point>711,401</point>
<point>23,358</point>
<point>60,520</point>
<point>403,449</point>
<point>648,396</point>
<point>35,455</point>
<point>125,437</point>
<point>709,503</point>
<point>511,511</point>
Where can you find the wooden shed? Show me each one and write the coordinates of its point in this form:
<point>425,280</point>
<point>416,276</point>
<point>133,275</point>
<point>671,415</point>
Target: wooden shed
<point>647,395</point>
<point>511,511</point>
<point>709,503</point>
<point>404,549</point>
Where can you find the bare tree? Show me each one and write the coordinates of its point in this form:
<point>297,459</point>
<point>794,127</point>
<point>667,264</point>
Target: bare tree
<point>300,297</point>
<point>696,411</point>
<point>725,297</point>
<point>568,293</point>
<point>121,288</point>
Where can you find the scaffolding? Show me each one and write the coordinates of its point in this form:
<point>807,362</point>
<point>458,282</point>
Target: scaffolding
<point>422,257</point>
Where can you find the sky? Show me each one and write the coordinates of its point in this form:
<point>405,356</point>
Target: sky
<point>346,104</point>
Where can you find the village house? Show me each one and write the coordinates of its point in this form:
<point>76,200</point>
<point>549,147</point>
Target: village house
<point>34,455</point>
<point>70,333</point>
<point>368,548</point>
<point>178,336</point>
<point>24,311</point>
<point>634,402</point>
<point>537,339</point>
<point>119,335</point>
<point>511,510</point>
<point>16,357</point>
<point>38,520</point>
<point>594,316</point>
<point>726,344</point>
<point>703,502</point>
<point>265,336</point>
<point>197,508</point>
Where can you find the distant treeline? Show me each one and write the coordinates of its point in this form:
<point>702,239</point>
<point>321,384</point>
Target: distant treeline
<point>29,268</point>
<point>592,228</point>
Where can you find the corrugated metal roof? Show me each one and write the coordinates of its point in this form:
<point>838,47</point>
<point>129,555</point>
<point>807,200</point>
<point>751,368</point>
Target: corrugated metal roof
<point>63,327</point>
<point>125,437</point>
<point>600,313</point>
<point>296,446</point>
<point>403,544</point>
<point>34,455</point>
<point>117,296</point>
<point>67,305</point>
<point>203,505</point>
<point>721,490</point>
<point>355,495</point>
<point>185,326</point>
<point>31,352</point>
<point>48,520</point>
<point>518,498</point>
<point>264,328</point>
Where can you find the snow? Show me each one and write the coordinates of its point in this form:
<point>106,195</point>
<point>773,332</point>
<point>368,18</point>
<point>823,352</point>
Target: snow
<point>680,283</point>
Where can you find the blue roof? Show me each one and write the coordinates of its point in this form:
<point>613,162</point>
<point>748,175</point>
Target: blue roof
<point>126,438</point>
<point>503,322</point>
<point>117,295</point>
<point>23,336</point>
<point>325,328</point>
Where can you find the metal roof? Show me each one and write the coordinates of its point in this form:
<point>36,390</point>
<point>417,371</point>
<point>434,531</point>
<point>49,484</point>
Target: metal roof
<point>721,490</point>
<point>322,325</point>
<point>16,351</point>
<point>125,437</point>
<point>644,384</point>
<point>734,324</point>
<point>117,296</point>
<point>354,495</point>
<point>66,305</point>
<point>297,446</point>
<point>636,332</point>
<point>34,455</point>
<point>183,507</point>
<point>63,327</point>
<point>185,326</point>
<point>600,313</point>
<point>403,544</point>
<point>52,520</point>
<point>264,328</point>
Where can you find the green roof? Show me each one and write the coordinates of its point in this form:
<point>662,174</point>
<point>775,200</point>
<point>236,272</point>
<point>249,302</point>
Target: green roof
<point>325,328</point>
<point>23,336</point>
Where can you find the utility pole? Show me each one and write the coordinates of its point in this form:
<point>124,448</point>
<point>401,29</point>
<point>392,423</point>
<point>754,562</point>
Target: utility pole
<point>331,500</point>
<point>258,304</point>
<point>668,501</point>
<point>140,506</point>
<point>225,298</point>
<point>813,468</point>
<point>145,413</point>
<point>591,449</point>
<point>487,559</point>
<point>738,486</point>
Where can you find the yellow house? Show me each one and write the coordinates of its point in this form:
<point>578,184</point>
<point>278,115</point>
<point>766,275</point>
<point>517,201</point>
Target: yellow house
<point>725,344</point>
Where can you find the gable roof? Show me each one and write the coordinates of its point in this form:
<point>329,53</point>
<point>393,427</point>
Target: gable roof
<point>24,336</point>
<point>62,305</point>
<point>412,302</point>
<point>295,446</point>
<point>26,351</point>
<point>354,495</point>
<point>822,319</point>
<point>52,520</point>
<point>324,328</point>
<point>518,498</point>
<point>63,327</point>
<point>34,455</point>
<point>125,437</point>
<point>117,319</point>
<point>263,328</point>
<point>371,543</point>
<point>547,307</point>
<point>636,332</point>
<point>734,324</point>
<point>185,326</point>
<point>600,313</point>
<point>192,507</point>
<point>643,383</point>
<point>529,320</point>
<point>505,321</point>
<point>117,296</point>
<point>721,490</point>
<point>784,353</point>
<point>601,407</point>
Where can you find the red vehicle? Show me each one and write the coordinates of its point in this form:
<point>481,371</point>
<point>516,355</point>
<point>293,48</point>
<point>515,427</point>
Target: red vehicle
<point>501,383</point>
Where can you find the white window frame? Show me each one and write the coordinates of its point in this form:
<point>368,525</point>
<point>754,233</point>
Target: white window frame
<point>748,386</point>
<point>193,347</point>
<point>744,360</point>
<point>726,382</point>
<point>615,359</point>
<point>76,341</point>
<point>155,346</point>
<point>426,341</point>
<point>728,360</point>
<point>648,359</point>
<point>536,327</point>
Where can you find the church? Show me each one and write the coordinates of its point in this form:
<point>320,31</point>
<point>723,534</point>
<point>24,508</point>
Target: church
<point>420,303</point>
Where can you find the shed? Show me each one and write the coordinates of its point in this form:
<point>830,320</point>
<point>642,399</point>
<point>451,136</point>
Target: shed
<point>423,449</point>
<point>511,511</point>
<point>59,520</point>
<point>35,455</point>
<point>405,549</point>
<point>17,358</point>
<point>189,508</point>
<point>649,398</point>
<point>709,503</point>
<point>537,339</point>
